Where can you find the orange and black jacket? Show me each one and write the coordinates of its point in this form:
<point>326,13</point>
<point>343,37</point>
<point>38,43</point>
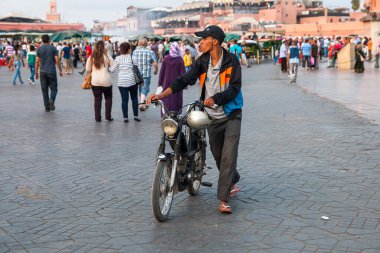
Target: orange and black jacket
<point>230,96</point>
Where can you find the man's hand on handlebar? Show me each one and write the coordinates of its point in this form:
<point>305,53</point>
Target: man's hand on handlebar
<point>151,98</point>
<point>209,102</point>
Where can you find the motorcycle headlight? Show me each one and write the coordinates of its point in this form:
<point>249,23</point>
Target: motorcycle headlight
<point>169,126</point>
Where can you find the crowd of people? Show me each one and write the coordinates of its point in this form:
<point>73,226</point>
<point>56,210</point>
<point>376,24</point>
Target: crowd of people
<point>175,58</point>
<point>308,52</point>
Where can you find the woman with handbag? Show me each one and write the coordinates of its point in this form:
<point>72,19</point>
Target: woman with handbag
<point>126,81</point>
<point>98,65</point>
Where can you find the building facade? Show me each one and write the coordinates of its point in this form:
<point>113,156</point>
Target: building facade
<point>372,19</point>
<point>246,15</point>
<point>231,15</point>
<point>293,17</point>
<point>23,24</point>
<point>26,24</point>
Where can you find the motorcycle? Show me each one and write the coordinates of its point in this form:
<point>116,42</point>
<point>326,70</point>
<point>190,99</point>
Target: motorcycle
<point>184,167</point>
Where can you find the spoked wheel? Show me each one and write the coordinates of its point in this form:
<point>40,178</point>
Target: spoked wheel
<point>199,161</point>
<point>162,198</point>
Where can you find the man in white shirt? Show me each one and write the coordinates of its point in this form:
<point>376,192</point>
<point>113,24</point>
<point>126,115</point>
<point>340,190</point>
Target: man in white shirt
<point>160,51</point>
<point>110,49</point>
<point>284,55</point>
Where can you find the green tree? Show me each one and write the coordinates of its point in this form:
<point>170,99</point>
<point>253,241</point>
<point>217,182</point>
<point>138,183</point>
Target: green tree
<point>355,4</point>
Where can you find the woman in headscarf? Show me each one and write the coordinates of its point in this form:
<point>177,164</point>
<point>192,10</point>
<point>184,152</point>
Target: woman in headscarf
<point>359,59</point>
<point>172,67</point>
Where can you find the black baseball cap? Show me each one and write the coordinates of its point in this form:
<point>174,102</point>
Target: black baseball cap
<point>213,31</point>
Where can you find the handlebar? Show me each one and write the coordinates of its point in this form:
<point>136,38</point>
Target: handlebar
<point>191,106</point>
<point>157,102</point>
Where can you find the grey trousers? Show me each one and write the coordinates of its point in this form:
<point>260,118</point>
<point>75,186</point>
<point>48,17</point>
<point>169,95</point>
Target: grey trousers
<point>293,71</point>
<point>224,136</point>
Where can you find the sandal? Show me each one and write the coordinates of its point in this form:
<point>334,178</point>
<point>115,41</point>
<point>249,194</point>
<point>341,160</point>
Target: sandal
<point>225,208</point>
<point>234,191</point>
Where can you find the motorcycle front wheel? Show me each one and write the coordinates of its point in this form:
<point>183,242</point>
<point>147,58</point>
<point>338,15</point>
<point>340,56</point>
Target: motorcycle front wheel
<point>162,198</point>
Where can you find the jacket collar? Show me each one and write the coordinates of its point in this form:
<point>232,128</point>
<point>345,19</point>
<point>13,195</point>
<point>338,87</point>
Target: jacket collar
<point>205,58</point>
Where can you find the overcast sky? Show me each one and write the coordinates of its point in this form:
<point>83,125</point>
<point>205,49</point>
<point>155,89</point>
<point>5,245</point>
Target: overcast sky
<point>87,10</point>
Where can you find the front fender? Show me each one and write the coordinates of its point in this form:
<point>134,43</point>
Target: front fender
<point>163,157</point>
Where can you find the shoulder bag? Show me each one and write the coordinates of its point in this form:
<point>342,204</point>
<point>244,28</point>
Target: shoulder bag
<point>139,80</point>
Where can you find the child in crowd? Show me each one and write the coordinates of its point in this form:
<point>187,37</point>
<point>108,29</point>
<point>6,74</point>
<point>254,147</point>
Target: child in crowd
<point>31,59</point>
<point>188,60</point>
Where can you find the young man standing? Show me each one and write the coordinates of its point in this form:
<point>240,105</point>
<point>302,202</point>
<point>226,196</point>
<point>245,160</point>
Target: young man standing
<point>306,52</point>
<point>369,46</point>
<point>66,56</point>
<point>47,59</point>
<point>219,73</point>
<point>236,49</point>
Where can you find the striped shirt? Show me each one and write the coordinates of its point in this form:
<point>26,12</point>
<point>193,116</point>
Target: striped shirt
<point>144,58</point>
<point>9,49</point>
<point>125,76</point>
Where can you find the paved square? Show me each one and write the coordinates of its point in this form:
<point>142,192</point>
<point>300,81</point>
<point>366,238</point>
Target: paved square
<point>69,184</point>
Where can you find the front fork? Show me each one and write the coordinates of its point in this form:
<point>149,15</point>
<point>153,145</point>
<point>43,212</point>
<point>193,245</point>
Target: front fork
<point>177,152</point>
<point>161,156</point>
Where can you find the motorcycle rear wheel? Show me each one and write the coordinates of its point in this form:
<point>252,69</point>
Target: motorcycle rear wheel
<point>194,187</point>
<point>162,198</point>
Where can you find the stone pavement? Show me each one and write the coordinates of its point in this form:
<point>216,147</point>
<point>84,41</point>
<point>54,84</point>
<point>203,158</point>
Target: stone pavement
<point>68,184</point>
<point>358,92</point>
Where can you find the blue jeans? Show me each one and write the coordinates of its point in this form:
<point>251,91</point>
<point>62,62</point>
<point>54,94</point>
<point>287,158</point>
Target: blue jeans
<point>306,61</point>
<point>188,68</point>
<point>124,92</point>
<point>48,80</point>
<point>17,73</point>
<point>31,67</point>
<point>146,87</point>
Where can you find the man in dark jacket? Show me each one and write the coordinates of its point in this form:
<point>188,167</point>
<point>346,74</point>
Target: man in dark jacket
<point>219,75</point>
